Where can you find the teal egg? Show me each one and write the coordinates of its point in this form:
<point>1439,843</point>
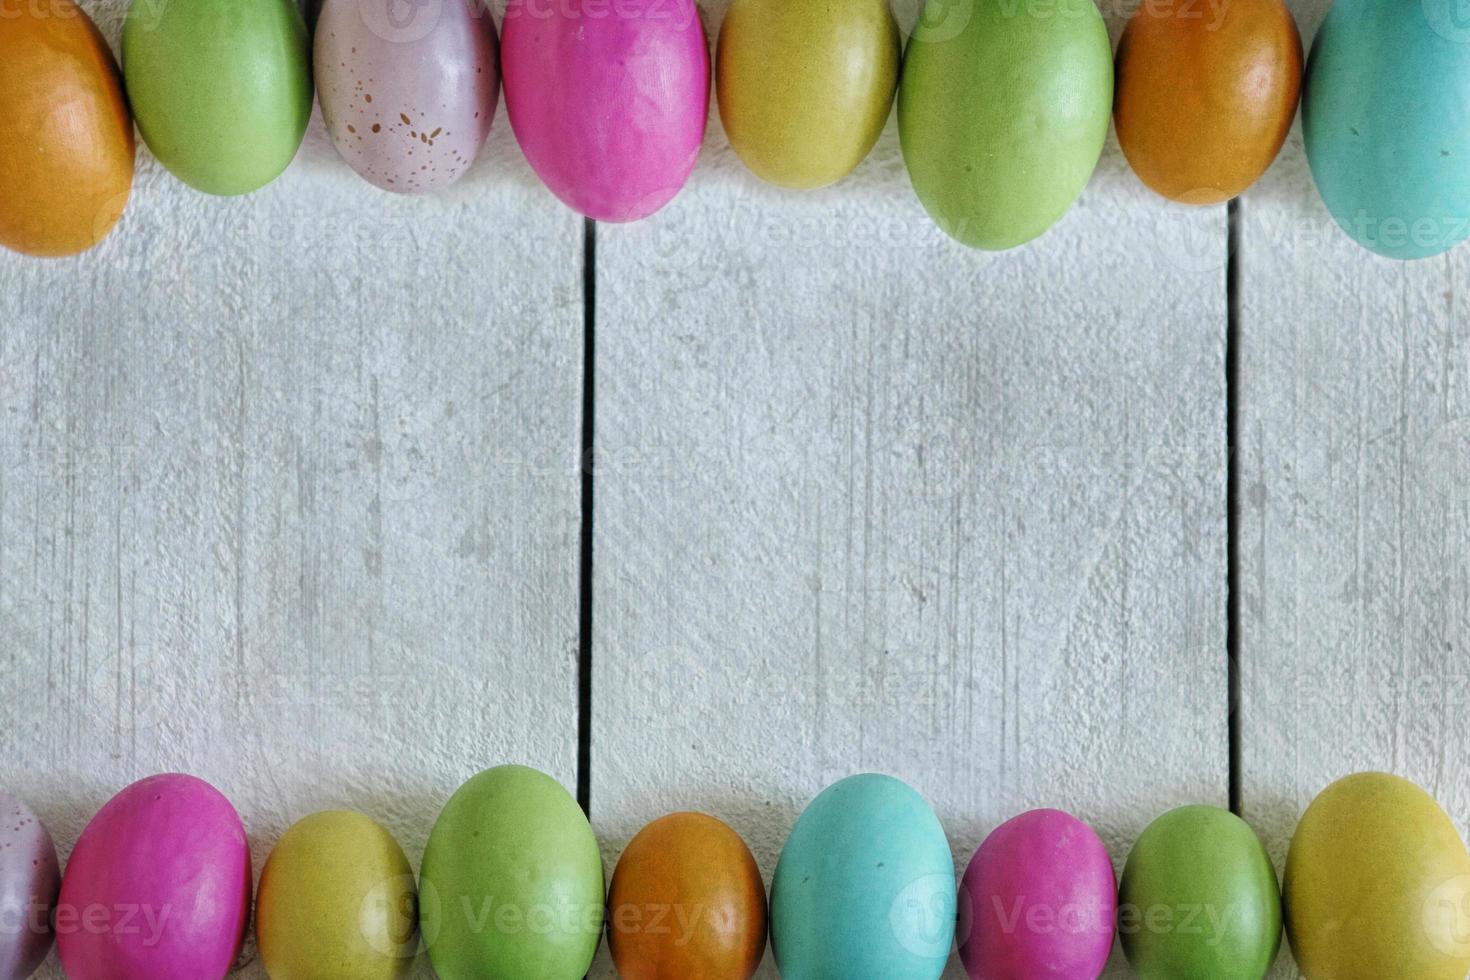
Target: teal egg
<point>1386,118</point>
<point>865,887</point>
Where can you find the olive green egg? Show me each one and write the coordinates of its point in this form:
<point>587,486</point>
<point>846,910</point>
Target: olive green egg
<point>336,902</point>
<point>805,86</point>
<point>511,885</point>
<point>1378,885</point>
<point>221,89</point>
<point>1002,112</point>
<point>1199,900</point>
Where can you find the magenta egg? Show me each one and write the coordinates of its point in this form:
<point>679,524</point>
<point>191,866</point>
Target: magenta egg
<point>608,99</point>
<point>408,90</point>
<point>1038,901</point>
<point>158,886</point>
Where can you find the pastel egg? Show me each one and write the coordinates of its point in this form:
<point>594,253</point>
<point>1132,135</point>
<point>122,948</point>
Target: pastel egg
<point>1199,898</point>
<point>337,899</point>
<point>1378,885</point>
<point>1206,95</point>
<point>865,886</point>
<point>221,90</point>
<point>1002,114</point>
<point>30,878</point>
<point>1386,120</point>
<point>805,86</point>
<point>1038,901</point>
<point>608,102</point>
<point>408,101</point>
<point>687,900</point>
<point>66,138</point>
<point>158,886</point>
<point>511,885</point>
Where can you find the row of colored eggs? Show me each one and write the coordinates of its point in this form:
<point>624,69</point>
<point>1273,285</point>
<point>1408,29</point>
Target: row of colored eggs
<point>511,888</point>
<point>1003,105</point>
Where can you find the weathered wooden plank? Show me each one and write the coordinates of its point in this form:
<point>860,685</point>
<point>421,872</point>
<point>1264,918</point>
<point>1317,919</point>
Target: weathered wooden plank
<point>290,497</point>
<point>1354,507</point>
<point>867,500</point>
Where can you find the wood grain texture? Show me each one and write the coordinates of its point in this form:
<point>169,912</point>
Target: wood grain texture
<point>1354,508</point>
<point>867,500</point>
<point>289,497</point>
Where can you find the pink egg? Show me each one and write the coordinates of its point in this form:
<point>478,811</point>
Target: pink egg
<point>408,90</point>
<point>1038,901</point>
<point>158,886</point>
<point>608,99</point>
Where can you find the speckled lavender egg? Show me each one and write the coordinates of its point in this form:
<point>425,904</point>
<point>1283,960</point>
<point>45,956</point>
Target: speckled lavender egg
<point>408,90</point>
<point>30,878</point>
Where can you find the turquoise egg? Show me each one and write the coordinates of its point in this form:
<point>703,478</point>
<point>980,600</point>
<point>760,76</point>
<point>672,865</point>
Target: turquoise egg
<point>1386,117</point>
<point>865,887</point>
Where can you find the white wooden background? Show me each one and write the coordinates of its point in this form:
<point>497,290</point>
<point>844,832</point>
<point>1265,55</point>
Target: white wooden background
<point>290,498</point>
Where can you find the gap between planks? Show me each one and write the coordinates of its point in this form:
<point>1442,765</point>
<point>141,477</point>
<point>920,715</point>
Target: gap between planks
<point>584,598</point>
<point>1232,498</point>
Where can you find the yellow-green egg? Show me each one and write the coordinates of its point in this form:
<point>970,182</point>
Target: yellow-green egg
<point>805,86</point>
<point>1378,885</point>
<point>337,902</point>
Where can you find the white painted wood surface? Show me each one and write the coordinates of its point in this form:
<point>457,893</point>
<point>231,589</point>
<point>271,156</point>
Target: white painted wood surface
<point>868,500</point>
<point>1354,507</point>
<point>289,497</point>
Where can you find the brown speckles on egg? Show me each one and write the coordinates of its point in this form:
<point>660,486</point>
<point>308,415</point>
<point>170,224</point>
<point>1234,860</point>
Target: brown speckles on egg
<point>408,152</point>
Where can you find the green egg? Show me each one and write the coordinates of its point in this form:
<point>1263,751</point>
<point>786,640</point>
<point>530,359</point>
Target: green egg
<point>1002,112</point>
<point>1199,899</point>
<point>511,885</point>
<point>221,89</point>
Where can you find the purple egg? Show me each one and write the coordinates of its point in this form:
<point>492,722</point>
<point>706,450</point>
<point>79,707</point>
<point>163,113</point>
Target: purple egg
<point>1038,901</point>
<point>157,887</point>
<point>30,877</point>
<point>408,90</point>
<point>608,100</point>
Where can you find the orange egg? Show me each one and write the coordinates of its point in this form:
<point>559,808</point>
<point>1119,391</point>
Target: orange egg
<point>687,903</point>
<point>1205,93</point>
<point>66,138</point>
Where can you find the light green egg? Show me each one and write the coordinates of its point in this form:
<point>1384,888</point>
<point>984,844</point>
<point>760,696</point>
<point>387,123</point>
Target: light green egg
<point>511,885</point>
<point>1199,899</point>
<point>1002,112</point>
<point>221,89</point>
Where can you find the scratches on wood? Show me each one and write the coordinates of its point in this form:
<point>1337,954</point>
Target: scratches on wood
<point>236,468</point>
<point>1357,603</point>
<point>900,506</point>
